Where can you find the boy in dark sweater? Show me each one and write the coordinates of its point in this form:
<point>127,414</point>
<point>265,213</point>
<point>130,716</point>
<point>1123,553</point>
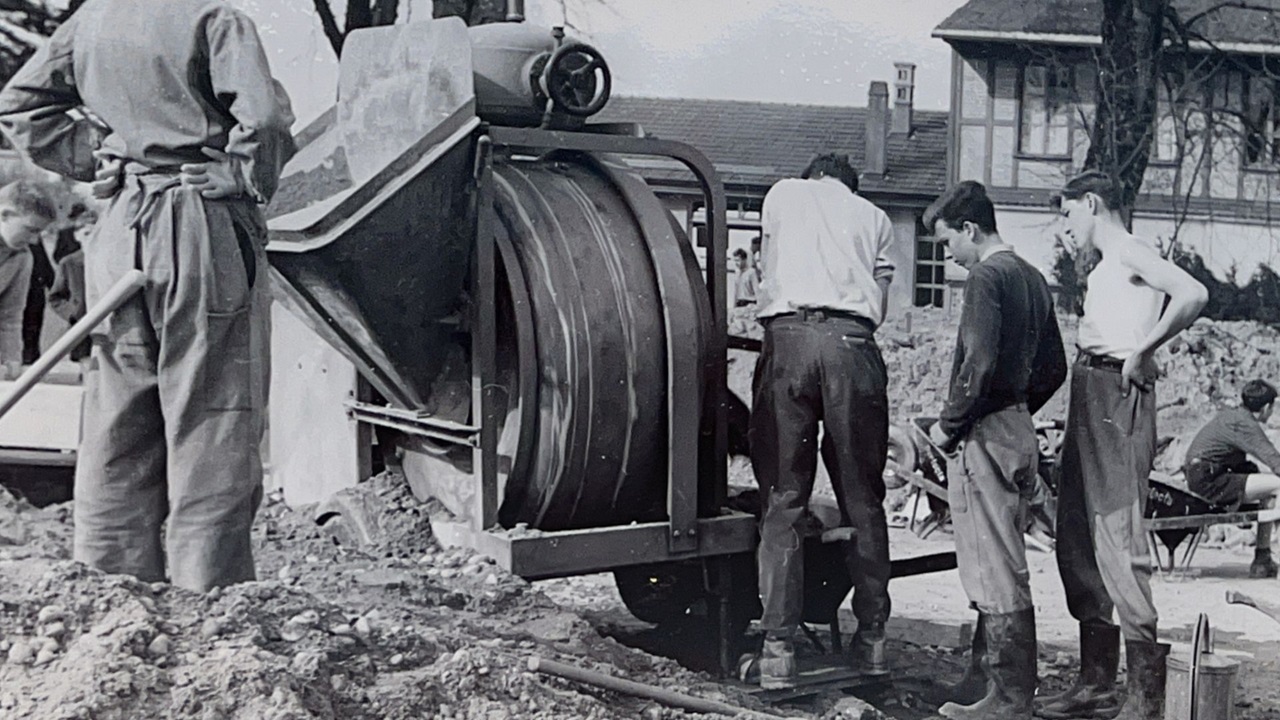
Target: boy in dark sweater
<point>1008,363</point>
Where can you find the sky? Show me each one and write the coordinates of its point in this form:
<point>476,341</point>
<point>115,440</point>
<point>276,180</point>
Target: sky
<point>823,52</point>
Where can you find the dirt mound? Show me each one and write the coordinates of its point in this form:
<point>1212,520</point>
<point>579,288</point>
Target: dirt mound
<point>398,629</point>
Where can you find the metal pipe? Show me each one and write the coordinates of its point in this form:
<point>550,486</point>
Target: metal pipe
<point>648,692</point>
<point>124,289</point>
<point>515,10</point>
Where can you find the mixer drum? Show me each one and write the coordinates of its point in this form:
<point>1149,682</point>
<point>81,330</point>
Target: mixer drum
<point>582,352</point>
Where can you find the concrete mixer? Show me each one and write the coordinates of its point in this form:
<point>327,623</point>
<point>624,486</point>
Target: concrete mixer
<point>546,351</point>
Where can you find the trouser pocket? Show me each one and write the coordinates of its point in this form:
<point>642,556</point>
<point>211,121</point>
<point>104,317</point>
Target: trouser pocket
<point>228,362</point>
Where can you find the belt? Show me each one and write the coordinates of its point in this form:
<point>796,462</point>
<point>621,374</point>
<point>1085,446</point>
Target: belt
<point>824,314</point>
<point>1100,362</point>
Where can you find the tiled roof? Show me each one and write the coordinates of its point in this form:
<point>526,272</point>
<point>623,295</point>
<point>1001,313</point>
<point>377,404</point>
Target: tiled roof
<point>1254,22</point>
<point>756,144</point>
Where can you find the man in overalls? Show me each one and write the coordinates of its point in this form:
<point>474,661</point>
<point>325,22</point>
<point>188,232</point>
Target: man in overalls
<point>173,108</point>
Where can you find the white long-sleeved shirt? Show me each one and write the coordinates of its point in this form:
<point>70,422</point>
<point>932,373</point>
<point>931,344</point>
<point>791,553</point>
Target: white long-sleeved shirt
<point>824,248</point>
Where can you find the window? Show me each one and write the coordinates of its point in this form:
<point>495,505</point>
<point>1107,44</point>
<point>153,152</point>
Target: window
<point>931,272</point>
<point>1171,130</point>
<point>1262,121</point>
<point>1048,94</point>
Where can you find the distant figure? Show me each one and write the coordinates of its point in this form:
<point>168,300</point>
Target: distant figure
<point>1107,451</point>
<point>756,257</point>
<point>42,273</point>
<point>1217,466</point>
<point>25,212</point>
<point>1008,363</point>
<point>66,297</point>
<point>826,282</point>
<point>748,282</point>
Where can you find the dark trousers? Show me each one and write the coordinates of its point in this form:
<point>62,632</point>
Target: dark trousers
<point>812,369</point>
<point>1107,452</point>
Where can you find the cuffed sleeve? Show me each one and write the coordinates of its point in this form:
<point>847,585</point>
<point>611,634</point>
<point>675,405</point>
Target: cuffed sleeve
<point>884,241</point>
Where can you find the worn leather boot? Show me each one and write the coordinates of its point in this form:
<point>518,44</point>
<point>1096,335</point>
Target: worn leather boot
<point>870,656</point>
<point>1010,662</point>
<point>1263,566</point>
<point>973,684</point>
<point>1094,694</point>
<point>1147,672</point>
<point>777,662</point>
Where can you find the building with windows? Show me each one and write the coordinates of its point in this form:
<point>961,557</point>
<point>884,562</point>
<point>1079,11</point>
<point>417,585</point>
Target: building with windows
<point>1024,95</point>
<point>901,152</point>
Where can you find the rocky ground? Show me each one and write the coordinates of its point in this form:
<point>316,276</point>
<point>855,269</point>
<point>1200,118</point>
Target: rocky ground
<point>372,619</point>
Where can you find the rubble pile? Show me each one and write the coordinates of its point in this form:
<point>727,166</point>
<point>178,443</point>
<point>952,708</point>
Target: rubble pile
<point>399,629</point>
<point>1202,369</point>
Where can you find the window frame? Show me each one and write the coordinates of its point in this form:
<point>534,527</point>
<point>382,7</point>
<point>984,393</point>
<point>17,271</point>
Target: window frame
<point>1053,71</point>
<point>1268,157</point>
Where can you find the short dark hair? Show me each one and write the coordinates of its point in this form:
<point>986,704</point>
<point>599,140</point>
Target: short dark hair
<point>757,241</point>
<point>1108,188</point>
<point>740,254</point>
<point>27,198</point>
<point>966,202</point>
<point>836,166</point>
<point>1257,394</point>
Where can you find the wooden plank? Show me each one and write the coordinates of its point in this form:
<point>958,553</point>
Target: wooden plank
<point>315,448</point>
<point>1198,521</point>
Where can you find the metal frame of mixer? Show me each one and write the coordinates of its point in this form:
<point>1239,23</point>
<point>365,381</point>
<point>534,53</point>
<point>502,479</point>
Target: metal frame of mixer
<point>684,535</point>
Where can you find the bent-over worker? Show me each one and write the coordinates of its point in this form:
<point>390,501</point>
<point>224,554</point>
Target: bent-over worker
<point>1218,468</point>
<point>193,132</point>
<point>826,281</point>
<point>1008,363</point>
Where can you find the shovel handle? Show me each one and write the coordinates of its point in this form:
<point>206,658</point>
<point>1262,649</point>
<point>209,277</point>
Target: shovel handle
<point>125,288</point>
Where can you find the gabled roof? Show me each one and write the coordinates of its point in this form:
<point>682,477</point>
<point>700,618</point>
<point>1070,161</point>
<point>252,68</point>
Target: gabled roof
<point>756,144</point>
<point>1245,27</point>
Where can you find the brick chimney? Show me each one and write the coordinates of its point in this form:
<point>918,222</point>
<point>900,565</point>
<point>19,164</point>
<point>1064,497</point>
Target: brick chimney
<point>904,93</point>
<point>877,131</point>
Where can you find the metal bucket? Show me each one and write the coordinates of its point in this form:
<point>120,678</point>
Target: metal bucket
<point>1216,688</point>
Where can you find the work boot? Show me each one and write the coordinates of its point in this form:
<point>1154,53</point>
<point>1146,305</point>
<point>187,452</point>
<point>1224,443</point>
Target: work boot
<point>1263,566</point>
<point>1147,673</point>
<point>1010,662</point>
<point>777,662</point>
<point>973,684</point>
<point>1094,694</point>
<point>870,656</point>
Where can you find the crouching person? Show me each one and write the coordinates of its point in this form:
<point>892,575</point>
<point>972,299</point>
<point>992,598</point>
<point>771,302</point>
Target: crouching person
<point>826,280</point>
<point>1008,362</point>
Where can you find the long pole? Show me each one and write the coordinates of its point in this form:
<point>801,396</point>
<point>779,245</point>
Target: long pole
<point>649,692</point>
<point>124,289</point>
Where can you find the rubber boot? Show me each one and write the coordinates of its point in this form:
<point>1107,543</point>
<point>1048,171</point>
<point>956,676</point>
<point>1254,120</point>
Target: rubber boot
<point>1094,694</point>
<point>973,684</point>
<point>1263,566</point>
<point>1147,673</point>
<point>1010,662</point>
<point>870,656</point>
<point>777,662</point>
